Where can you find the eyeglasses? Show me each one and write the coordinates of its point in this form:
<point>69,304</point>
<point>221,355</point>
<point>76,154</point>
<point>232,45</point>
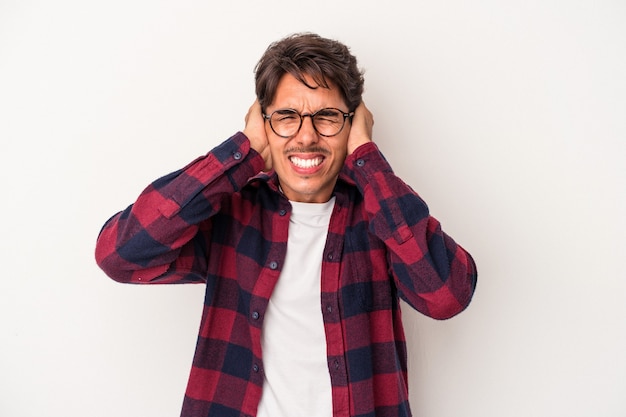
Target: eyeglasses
<point>326,122</point>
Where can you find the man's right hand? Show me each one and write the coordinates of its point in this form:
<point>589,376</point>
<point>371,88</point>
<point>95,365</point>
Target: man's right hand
<point>255,132</point>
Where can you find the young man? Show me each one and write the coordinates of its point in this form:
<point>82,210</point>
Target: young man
<point>305,240</point>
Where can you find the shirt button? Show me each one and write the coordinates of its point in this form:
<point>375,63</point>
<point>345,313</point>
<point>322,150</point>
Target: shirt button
<point>282,212</point>
<point>360,162</point>
<point>255,315</point>
<point>273,265</point>
<point>336,364</point>
<point>329,309</point>
<point>330,256</point>
<point>237,155</point>
<point>255,367</point>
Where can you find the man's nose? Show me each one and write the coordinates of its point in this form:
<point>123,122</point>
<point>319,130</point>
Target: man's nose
<point>307,134</point>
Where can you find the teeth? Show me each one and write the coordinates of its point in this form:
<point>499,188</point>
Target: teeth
<point>305,163</point>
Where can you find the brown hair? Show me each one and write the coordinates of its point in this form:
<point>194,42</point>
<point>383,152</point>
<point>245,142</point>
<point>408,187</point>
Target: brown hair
<point>327,61</point>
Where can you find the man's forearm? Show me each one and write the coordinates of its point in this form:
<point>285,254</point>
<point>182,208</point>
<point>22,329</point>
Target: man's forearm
<point>141,243</point>
<point>433,273</point>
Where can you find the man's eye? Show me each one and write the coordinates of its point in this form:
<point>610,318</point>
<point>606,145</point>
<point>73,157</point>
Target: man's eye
<point>328,117</point>
<point>286,116</point>
<point>287,119</point>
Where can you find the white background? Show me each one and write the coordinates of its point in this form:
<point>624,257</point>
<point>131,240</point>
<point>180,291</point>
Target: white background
<point>509,118</point>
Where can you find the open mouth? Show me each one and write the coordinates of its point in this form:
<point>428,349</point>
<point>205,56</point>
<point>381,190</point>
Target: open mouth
<point>306,163</point>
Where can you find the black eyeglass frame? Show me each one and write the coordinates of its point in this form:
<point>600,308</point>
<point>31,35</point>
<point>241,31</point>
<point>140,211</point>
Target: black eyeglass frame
<point>312,116</point>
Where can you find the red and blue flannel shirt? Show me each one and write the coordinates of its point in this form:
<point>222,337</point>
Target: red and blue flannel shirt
<point>219,222</point>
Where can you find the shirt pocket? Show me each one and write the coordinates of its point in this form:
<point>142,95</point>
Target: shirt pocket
<point>367,281</point>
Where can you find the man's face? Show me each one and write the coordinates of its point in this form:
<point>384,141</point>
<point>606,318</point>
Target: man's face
<point>307,164</point>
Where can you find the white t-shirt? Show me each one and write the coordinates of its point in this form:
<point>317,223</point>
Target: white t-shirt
<point>297,381</point>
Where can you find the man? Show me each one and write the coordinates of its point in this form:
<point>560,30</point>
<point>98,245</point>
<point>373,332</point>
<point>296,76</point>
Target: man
<point>305,240</point>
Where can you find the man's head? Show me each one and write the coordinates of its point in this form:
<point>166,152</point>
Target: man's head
<point>324,61</point>
<point>308,88</point>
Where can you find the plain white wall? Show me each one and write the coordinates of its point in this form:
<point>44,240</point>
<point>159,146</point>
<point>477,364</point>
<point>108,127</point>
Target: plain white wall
<point>509,118</point>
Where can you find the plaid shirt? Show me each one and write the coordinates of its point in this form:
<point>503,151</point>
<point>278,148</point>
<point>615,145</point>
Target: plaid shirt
<point>217,222</point>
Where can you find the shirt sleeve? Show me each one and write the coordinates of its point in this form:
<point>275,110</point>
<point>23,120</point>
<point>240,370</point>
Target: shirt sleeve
<point>161,238</point>
<point>432,272</point>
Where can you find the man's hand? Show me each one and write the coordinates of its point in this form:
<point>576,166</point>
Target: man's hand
<point>361,129</point>
<point>255,132</point>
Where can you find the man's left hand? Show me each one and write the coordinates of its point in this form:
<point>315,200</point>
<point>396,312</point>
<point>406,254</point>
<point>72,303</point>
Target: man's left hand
<point>361,129</point>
